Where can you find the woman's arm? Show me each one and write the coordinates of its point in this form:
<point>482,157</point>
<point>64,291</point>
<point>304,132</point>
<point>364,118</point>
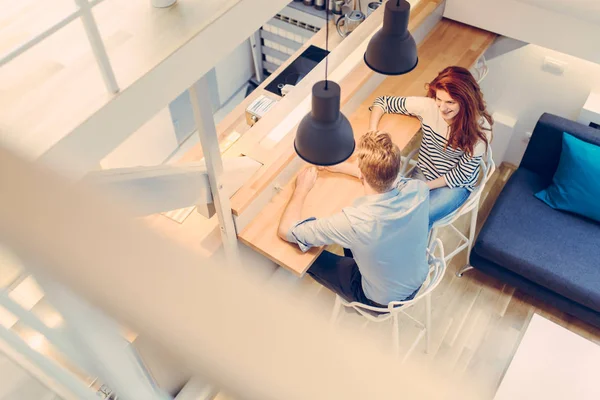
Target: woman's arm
<point>413,106</point>
<point>463,171</point>
<point>376,114</point>
<point>437,183</point>
<point>348,168</point>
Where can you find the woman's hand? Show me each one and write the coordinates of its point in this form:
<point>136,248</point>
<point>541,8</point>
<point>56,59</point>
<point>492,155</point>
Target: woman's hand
<point>437,183</point>
<point>376,114</point>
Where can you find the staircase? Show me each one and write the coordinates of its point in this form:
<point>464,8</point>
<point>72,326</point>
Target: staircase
<point>40,327</point>
<point>17,384</point>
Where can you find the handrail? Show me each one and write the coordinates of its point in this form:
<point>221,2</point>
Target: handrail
<point>30,319</point>
<point>62,376</point>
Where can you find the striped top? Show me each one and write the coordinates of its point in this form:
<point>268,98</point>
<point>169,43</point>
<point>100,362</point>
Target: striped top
<point>436,157</point>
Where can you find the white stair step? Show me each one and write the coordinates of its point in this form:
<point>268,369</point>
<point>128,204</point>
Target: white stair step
<point>13,377</point>
<point>30,390</point>
<point>47,314</point>
<point>7,319</point>
<point>27,293</point>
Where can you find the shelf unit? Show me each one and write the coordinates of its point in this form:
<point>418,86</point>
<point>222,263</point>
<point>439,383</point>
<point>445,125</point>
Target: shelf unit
<point>285,33</point>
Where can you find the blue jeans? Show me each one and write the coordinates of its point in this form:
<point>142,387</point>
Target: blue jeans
<point>442,201</point>
<point>342,276</point>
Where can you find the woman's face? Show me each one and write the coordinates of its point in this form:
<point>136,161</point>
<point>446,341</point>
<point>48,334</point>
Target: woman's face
<point>447,105</point>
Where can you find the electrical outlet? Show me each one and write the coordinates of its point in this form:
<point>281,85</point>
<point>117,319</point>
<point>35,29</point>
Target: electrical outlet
<point>554,66</point>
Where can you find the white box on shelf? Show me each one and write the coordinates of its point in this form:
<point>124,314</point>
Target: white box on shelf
<point>503,129</point>
<point>590,113</point>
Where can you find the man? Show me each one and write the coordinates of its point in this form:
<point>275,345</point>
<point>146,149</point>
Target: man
<point>386,229</point>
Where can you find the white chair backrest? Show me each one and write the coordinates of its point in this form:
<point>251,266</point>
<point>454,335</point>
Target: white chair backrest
<point>487,169</point>
<point>437,268</point>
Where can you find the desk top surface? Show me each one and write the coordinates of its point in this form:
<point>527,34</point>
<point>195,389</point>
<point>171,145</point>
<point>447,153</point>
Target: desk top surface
<point>450,43</point>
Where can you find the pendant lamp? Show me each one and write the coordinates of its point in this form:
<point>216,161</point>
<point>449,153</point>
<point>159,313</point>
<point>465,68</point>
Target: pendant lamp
<point>324,136</point>
<point>392,50</point>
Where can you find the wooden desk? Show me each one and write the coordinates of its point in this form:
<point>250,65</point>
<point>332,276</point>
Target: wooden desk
<point>204,236</point>
<point>450,43</point>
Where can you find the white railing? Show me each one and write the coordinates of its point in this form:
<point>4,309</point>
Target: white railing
<point>87,344</point>
<point>84,11</point>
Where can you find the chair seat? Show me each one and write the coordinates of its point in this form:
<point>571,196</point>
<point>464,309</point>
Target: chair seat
<point>554,249</point>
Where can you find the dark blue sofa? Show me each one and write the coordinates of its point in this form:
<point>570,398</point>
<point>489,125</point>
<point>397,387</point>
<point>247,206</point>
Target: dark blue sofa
<point>550,254</point>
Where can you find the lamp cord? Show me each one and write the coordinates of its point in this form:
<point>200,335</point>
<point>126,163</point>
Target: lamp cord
<point>326,43</point>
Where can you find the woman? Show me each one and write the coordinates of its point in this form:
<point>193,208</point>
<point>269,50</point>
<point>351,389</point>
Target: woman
<point>456,134</point>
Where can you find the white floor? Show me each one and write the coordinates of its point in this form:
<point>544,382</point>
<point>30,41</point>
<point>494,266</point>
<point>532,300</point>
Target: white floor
<point>552,363</point>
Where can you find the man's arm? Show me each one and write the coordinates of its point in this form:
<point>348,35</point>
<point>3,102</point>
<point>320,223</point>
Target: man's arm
<point>292,213</point>
<point>312,232</point>
<point>347,168</point>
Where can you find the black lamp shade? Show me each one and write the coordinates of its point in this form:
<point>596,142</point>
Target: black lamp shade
<point>324,136</point>
<point>392,50</point>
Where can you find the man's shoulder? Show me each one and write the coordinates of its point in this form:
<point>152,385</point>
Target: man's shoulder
<point>416,187</point>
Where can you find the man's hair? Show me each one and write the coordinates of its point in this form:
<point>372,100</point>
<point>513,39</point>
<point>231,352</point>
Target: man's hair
<point>378,160</point>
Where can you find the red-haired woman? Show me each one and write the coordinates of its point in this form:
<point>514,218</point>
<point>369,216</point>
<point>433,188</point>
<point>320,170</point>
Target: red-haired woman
<point>456,134</point>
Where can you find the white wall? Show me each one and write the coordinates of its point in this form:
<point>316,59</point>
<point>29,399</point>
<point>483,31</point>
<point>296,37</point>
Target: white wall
<point>234,71</point>
<point>569,26</point>
<point>150,145</point>
<point>518,86</point>
<point>156,140</point>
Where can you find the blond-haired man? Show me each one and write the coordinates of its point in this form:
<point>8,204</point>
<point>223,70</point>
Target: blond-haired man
<point>386,230</point>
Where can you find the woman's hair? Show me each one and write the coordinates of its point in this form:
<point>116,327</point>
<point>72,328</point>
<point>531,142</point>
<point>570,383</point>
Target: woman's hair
<point>378,160</point>
<point>465,129</point>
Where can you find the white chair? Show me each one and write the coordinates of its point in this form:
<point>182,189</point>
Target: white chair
<point>437,268</point>
<point>470,206</point>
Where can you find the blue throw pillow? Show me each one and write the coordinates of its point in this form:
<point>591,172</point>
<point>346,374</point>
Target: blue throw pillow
<point>576,183</point>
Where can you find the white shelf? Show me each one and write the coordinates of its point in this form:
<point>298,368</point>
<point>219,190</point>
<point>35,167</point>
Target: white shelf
<point>590,113</point>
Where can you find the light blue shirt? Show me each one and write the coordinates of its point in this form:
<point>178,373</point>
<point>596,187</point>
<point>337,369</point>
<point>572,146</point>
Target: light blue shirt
<point>387,234</point>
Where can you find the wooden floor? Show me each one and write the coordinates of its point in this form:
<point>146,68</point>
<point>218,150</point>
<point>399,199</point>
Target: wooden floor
<point>478,320</point>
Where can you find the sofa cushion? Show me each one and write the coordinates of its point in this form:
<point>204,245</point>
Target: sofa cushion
<point>576,186</point>
<point>555,249</point>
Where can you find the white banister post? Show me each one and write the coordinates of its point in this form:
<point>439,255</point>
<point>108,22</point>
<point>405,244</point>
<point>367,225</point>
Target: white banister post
<point>64,378</point>
<point>93,34</point>
<point>97,337</point>
<point>205,125</point>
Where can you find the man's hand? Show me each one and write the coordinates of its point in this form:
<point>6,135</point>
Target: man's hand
<point>306,180</point>
<point>293,211</point>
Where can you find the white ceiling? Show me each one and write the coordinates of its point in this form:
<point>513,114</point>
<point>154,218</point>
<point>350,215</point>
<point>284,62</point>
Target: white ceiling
<point>588,10</point>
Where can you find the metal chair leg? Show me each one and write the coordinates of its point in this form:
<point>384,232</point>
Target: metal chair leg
<point>472,229</point>
<point>396,334</point>
<point>337,308</point>
<point>428,323</point>
<point>464,269</point>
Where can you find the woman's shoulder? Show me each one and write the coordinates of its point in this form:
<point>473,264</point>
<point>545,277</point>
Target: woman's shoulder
<point>429,102</point>
<point>427,105</point>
